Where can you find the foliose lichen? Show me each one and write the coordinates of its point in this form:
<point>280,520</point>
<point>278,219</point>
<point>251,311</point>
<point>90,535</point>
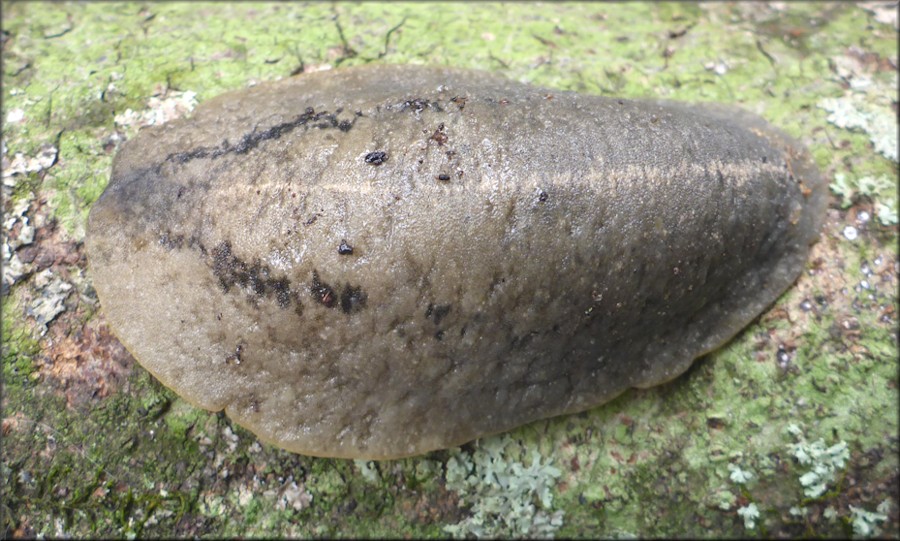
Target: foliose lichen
<point>506,496</point>
<point>822,462</point>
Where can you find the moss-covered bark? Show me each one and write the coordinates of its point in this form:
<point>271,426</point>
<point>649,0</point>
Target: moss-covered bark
<point>92,445</point>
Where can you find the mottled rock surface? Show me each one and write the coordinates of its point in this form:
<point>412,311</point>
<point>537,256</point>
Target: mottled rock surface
<point>376,262</point>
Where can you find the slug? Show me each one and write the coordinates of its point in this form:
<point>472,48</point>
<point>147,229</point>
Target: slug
<point>381,261</point>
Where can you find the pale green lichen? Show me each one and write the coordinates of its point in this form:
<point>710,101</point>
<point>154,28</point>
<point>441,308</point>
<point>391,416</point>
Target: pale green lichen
<point>750,513</point>
<point>866,107</point>
<point>887,212</point>
<point>506,497</point>
<point>820,465</point>
<point>368,470</point>
<point>822,461</point>
<point>725,499</point>
<point>881,189</point>
<point>865,523</point>
<point>738,475</point>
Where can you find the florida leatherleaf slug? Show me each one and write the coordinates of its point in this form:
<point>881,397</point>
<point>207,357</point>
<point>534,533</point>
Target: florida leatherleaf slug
<point>517,252</point>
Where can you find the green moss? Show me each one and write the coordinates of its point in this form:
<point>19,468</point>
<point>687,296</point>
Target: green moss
<point>79,178</point>
<point>25,188</point>
<point>107,484</point>
<point>19,350</point>
<point>181,418</point>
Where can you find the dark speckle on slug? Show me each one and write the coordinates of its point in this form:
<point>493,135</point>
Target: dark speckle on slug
<point>352,299</point>
<point>507,253</point>
<point>376,158</point>
<point>322,292</point>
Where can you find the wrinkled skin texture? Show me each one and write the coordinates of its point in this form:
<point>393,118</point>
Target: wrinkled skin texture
<point>377,262</point>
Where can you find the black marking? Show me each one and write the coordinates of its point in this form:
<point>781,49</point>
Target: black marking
<point>353,299</point>
<point>437,312</point>
<point>235,358</point>
<point>171,242</point>
<point>322,292</point>
<point>282,289</point>
<point>250,141</point>
<point>255,277</point>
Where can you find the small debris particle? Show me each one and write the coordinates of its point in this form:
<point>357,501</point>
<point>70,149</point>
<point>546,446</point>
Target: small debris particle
<point>159,111</point>
<point>51,301</point>
<point>850,324</point>
<point>376,158</point>
<point>439,136</point>
<point>235,358</point>
<point>23,165</point>
<point>783,357</point>
<point>719,68</point>
<point>459,101</point>
<point>14,116</point>
<point>344,248</point>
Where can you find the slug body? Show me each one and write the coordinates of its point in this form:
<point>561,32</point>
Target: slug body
<point>377,262</point>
